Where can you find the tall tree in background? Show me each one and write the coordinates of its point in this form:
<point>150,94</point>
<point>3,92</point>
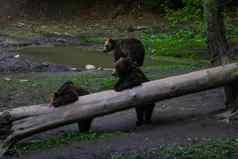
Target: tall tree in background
<point>218,46</point>
<point>219,49</point>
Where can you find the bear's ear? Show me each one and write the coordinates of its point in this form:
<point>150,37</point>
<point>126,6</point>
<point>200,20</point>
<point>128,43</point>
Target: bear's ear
<point>108,39</point>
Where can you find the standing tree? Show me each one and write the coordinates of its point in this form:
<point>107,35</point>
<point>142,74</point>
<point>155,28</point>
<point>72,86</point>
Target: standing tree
<point>218,46</point>
<point>219,49</point>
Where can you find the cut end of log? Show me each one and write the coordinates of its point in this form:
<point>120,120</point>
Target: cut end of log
<point>5,131</point>
<point>5,125</point>
<point>6,144</point>
<point>3,149</point>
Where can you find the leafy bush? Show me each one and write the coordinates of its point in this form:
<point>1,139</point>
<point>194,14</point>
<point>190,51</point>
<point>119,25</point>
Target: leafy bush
<point>178,44</point>
<point>191,11</point>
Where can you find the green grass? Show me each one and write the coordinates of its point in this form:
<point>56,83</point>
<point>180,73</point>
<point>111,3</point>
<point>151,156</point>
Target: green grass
<point>215,149</point>
<point>39,87</point>
<point>170,60</point>
<point>183,38</point>
<point>178,44</point>
<point>92,40</point>
<point>224,148</point>
<point>63,139</point>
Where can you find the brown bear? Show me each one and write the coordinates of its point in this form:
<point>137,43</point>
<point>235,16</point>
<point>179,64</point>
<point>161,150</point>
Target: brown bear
<point>69,93</point>
<point>131,48</point>
<point>131,76</point>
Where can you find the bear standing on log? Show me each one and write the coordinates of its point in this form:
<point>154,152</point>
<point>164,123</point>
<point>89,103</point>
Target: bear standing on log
<point>69,93</point>
<point>130,76</point>
<point>131,48</point>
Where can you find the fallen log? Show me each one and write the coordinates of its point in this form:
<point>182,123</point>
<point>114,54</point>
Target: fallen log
<point>107,102</point>
<point>27,111</point>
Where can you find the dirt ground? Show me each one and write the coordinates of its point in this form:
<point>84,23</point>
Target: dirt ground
<point>183,120</point>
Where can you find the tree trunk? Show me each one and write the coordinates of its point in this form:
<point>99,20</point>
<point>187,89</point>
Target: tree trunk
<point>219,49</point>
<point>102,103</point>
<point>28,111</point>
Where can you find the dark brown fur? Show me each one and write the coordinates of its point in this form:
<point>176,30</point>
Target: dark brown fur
<point>131,48</point>
<point>68,93</point>
<point>129,77</point>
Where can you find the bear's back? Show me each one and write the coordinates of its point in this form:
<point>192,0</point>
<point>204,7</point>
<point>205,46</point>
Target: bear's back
<point>132,48</point>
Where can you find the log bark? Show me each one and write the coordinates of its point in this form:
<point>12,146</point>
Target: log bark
<point>106,102</point>
<point>27,111</point>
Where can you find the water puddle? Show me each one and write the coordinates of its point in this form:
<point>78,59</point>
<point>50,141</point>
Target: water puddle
<point>73,56</point>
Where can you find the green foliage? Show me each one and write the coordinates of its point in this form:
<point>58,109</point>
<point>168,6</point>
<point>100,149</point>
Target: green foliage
<point>193,6</point>
<point>180,10</point>
<point>91,40</point>
<point>191,12</point>
<point>184,35</point>
<point>231,27</point>
<point>107,84</point>
<point>178,44</point>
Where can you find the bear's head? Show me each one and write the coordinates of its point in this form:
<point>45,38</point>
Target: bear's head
<point>108,45</point>
<point>66,94</point>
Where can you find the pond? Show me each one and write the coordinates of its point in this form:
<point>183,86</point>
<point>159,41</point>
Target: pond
<point>73,56</point>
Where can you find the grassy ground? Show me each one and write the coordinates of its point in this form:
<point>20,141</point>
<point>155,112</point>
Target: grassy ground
<point>213,148</point>
<point>34,88</point>
<point>59,140</point>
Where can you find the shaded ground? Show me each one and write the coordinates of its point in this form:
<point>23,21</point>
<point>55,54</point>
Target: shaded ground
<point>183,120</point>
